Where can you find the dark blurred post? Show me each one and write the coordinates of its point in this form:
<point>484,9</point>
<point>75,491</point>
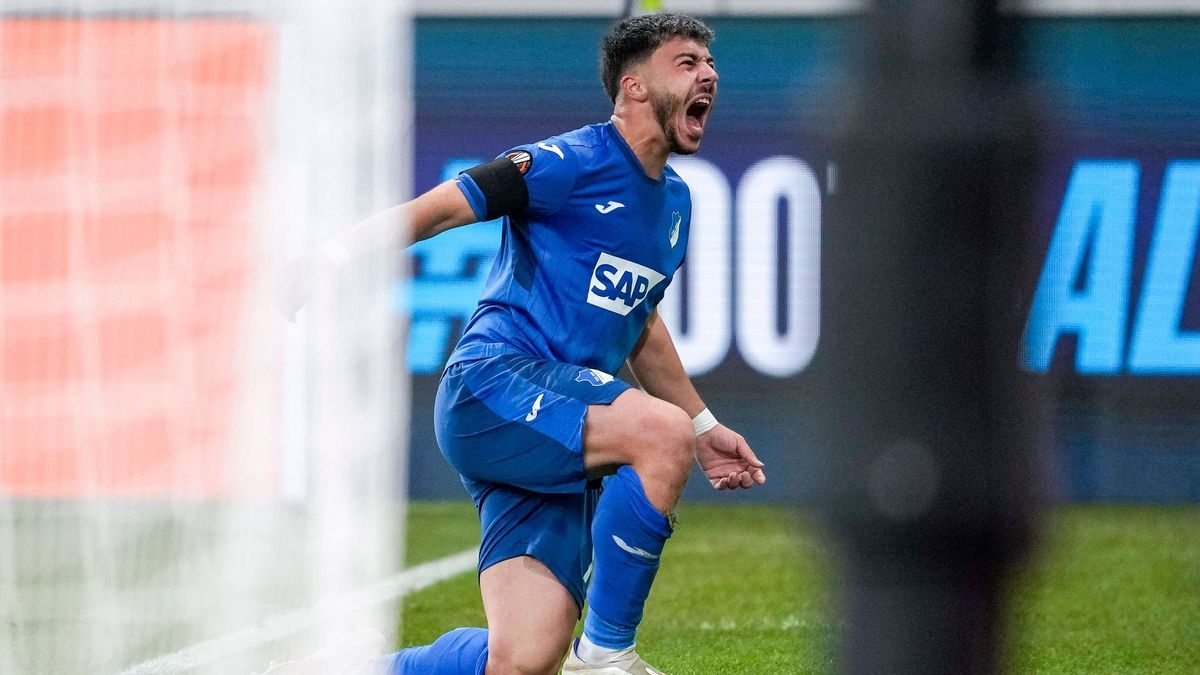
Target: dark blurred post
<point>935,431</point>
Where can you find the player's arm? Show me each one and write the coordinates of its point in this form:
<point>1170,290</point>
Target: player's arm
<point>442,208</point>
<point>656,365</point>
<point>723,455</point>
<point>484,192</point>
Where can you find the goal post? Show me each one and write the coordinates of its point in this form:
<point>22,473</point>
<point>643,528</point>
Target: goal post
<point>178,463</point>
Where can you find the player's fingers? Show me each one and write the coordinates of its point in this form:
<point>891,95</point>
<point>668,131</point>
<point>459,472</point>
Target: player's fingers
<point>746,480</point>
<point>747,454</point>
<point>732,481</point>
<point>719,483</point>
<point>760,477</point>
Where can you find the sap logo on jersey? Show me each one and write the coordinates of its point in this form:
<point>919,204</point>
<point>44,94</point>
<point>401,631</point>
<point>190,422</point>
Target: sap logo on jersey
<point>619,285</point>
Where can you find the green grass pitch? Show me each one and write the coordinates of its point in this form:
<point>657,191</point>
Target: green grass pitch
<point>1113,589</point>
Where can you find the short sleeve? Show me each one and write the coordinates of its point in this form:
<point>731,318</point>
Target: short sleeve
<point>550,176</point>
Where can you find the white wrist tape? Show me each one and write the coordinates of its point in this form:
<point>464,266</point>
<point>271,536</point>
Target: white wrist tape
<point>703,422</point>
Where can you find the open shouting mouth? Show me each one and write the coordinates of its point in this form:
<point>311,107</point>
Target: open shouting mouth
<point>696,115</point>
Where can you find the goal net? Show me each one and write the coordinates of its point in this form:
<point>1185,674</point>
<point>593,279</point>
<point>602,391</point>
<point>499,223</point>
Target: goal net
<point>189,483</point>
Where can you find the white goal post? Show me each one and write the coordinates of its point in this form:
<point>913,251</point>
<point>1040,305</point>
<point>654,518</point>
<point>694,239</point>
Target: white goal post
<point>178,462</point>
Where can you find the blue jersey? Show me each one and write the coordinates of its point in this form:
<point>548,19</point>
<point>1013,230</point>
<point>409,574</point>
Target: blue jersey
<point>583,266</point>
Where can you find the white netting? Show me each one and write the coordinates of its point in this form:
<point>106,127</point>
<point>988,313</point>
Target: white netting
<point>179,468</point>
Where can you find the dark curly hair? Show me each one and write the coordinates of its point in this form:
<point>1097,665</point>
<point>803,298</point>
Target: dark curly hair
<point>634,39</point>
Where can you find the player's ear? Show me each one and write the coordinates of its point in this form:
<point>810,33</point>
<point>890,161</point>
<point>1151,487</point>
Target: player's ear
<point>633,88</point>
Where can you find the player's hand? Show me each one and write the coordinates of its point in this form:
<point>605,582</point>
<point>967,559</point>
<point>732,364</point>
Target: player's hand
<point>293,285</point>
<point>727,461</point>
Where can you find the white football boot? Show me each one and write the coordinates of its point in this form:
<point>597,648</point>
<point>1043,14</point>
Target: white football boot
<point>627,663</point>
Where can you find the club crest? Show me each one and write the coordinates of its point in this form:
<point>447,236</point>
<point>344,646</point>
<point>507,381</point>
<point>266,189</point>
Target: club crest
<point>593,377</point>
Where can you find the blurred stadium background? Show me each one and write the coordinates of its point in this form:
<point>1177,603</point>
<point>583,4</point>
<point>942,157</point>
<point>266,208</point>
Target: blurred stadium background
<point>184,477</point>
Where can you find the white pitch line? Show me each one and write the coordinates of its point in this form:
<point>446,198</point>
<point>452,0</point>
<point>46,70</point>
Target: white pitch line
<point>278,627</point>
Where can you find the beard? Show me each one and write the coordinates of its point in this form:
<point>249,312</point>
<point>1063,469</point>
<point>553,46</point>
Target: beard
<point>666,110</point>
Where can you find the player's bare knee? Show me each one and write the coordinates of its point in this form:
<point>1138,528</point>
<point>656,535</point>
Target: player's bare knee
<point>671,444</point>
<point>681,439</point>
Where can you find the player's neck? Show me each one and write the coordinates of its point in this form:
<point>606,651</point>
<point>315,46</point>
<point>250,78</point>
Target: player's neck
<point>645,138</point>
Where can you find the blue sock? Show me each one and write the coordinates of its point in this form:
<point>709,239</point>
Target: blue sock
<point>462,651</point>
<point>628,534</point>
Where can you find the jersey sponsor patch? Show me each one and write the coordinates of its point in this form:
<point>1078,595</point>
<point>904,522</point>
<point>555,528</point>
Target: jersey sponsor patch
<point>594,377</point>
<point>522,159</point>
<point>619,285</point>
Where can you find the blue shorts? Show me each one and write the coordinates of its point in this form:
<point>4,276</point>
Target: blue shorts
<point>512,426</point>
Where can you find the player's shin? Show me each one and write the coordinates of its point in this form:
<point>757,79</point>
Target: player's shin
<point>462,651</point>
<point>628,535</point>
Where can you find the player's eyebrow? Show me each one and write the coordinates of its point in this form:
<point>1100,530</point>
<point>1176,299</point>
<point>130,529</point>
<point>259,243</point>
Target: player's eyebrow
<point>695,57</point>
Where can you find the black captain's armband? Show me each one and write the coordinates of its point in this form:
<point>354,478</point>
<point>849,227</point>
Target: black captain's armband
<point>502,182</point>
